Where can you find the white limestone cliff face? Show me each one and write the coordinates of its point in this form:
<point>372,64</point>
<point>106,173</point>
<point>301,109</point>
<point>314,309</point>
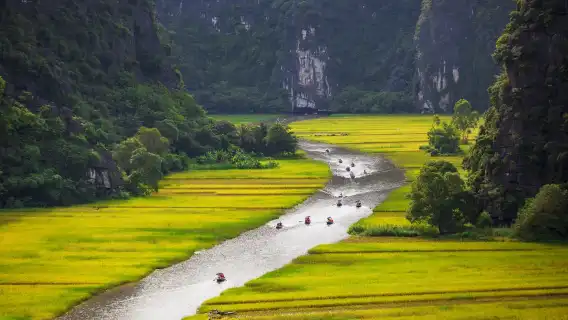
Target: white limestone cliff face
<point>310,82</point>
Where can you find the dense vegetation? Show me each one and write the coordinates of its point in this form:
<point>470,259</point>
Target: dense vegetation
<point>454,41</point>
<point>91,106</point>
<point>523,143</point>
<point>244,56</point>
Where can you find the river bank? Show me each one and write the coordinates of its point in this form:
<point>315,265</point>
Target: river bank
<point>177,291</point>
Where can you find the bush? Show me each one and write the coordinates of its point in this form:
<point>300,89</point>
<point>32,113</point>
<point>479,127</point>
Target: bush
<point>544,217</point>
<point>484,220</point>
<point>387,230</point>
<point>443,139</point>
<point>438,197</point>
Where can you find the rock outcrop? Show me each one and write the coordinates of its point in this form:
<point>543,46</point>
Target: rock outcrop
<point>454,42</point>
<point>524,142</point>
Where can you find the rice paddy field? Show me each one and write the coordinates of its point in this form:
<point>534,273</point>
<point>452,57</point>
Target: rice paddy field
<point>398,137</point>
<point>52,259</point>
<point>238,119</point>
<point>403,278</point>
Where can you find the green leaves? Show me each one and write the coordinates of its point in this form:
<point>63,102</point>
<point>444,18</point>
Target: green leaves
<point>437,197</point>
<point>443,139</point>
<point>464,118</point>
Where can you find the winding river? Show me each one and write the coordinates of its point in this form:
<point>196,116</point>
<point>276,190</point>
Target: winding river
<point>177,291</point>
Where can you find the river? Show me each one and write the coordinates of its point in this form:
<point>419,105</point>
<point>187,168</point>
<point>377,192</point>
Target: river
<point>177,291</point>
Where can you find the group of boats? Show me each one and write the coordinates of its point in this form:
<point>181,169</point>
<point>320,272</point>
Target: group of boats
<point>307,220</point>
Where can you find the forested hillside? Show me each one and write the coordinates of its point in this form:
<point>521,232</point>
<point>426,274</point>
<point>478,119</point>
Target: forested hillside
<point>524,142</point>
<point>350,56</point>
<point>78,80</point>
<point>454,43</point>
<point>85,82</point>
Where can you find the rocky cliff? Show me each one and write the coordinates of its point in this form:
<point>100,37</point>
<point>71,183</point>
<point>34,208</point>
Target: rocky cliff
<point>454,42</point>
<point>77,77</point>
<point>59,49</point>
<point>524,142</point>
<point>271,55</point>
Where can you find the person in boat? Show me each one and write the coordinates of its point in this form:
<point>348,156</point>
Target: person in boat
<point>339,204</point>
<point>307,220</point>
<point>220,277</point>
<point>358,203</point>
<point>279,225</point>
<point>329,221</point>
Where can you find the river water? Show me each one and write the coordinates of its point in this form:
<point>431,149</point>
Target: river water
<point>177,291</point>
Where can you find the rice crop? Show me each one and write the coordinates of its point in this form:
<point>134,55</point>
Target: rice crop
<point>246,118</point>
<point>403,278</point>
<point>54,258</point>
<point>384,277</point>
<point>397,137</point>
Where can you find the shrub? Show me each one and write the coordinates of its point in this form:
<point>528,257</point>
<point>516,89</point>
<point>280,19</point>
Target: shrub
<point>544,217</point>
<point>438,197</point>
<point>484,220</point>
<point>388,230</point>
<point>443,139</point>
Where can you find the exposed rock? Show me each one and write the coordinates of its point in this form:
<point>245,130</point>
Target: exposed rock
<point>454,41</point>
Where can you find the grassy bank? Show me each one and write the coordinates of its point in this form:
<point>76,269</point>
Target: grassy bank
<point>54,258</point>
<point>404,278</point>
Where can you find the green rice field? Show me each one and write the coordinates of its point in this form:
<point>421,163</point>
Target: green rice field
<point>246,118</point>
<point>51,259</point>
<point>403,278</point>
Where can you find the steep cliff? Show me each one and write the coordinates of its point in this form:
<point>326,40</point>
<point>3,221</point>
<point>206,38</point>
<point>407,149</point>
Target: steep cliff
<point>76,77</point>
<point>524,142</point>
<point>61,49</point>
<point>270,55</point>
<point>454,41</point>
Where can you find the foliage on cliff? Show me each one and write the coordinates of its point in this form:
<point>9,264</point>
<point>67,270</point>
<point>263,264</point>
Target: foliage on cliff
<point>454,41</point>
<point>80,78</point>
<point>523,144</point>
<point>251,56</point>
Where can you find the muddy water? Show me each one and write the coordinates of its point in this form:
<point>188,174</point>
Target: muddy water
<point>177,291</point>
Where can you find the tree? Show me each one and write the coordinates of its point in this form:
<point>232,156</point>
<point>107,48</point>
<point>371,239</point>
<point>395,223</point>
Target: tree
<point>436,120</point>
<point>152,139</point>
<point>544,217</point>
<point>443,139</point>
<point>124,151</point>
<point>148,169</point>
<point>438,197</point>
<point>279,140</point>
<point>464,118</point>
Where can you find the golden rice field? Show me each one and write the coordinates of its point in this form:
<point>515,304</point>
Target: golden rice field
<point>378,278</point>
<point>398,137</point>
<point>403,278</point>
<point>53,259</point>
<point>238,119</point>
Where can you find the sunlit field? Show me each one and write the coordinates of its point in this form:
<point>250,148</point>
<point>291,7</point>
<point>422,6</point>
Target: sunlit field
<point>398,137</point>
<point>52,259</point>
<point>246,118</point>
<point>403,278</point>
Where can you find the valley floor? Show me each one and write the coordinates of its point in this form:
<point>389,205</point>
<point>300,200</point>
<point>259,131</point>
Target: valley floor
<point>54,258</point>
<point>404,278</point>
